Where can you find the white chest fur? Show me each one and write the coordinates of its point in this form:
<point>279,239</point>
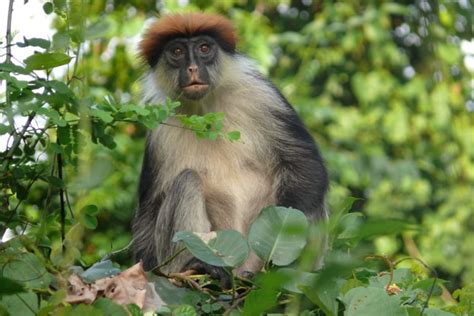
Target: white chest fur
<point>237,177</point>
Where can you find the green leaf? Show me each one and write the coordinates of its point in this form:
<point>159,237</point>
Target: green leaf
<point>88,216</point>
<point>38,42</point>
<point>134,108</point>
<point>48,8</point>
<point>91,210</point>
<point>99,270</point>
<point>104,116</point>
<point>9,286</point>
<point>436,312</point>
<point>24,304</point>
<point>184,310</point>
<point>297,279</point>
<point>10,67</point>
<point>25,268</point>
<point>44,61</point>
<point>342,210</point>
<point>55,181</point>
<point>173,295</point>
<point>265,296</point>
<point>19,84</point>
<point>53,115</point>
<point>227,249</point>
<point>97,29</point>
<point>362,301</point>
<point>134,310</point>
<point>61,41</point>
<point>109,308</point>
<point>4,129</point>
<point>278,234</point>
<point>233,136</point>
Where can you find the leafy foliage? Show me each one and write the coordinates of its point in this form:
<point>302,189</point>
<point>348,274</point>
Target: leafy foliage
<point>382,86</point>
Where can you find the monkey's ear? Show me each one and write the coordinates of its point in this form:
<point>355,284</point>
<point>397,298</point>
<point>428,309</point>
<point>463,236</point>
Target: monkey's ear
<point>169,27</point>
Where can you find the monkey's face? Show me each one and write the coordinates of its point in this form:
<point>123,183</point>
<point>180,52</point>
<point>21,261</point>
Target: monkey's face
<point>192,62</point>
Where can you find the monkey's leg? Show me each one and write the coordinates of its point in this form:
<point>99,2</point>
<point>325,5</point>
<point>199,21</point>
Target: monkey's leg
<point>182,209</point>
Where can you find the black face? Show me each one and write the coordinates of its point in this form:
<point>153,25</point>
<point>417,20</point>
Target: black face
<point>194,58</point>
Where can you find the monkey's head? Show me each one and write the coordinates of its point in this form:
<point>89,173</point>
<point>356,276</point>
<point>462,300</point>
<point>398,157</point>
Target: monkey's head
<point>185,52</point>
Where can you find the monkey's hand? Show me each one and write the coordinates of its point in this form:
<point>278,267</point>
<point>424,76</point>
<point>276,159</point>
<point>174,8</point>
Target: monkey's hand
<point>217,273</point>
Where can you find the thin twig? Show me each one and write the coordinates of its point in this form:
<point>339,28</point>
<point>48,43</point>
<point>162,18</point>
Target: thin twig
<point>113,253</point>
<point>157,268</point>
<point>184,276</point>
<point>413,251</point>
<point>433,272</point>
<point>8,57</point>
<point>239,300</point>
<point>16,141</point>
<point>62,201</point>
<point>389,264</point>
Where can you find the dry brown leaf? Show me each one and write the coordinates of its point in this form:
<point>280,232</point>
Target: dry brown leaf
<point>79,292</point>
<point>128,287</point>
<point>393,289</point>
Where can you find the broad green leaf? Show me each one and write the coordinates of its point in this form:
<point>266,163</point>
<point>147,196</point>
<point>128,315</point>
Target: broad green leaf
<point>99,270</point>
<point>370,301</point>
<point>227,249</point>
<point>27,269</point>
<point>173,295</point>
<point>109,308</point>
<point>24,304</point>
<point>9,286</point>
<point>278,234</point>
<point>265,296</point>
<point>297,279</point>
<point>46,61</point>
<point>78,310</point>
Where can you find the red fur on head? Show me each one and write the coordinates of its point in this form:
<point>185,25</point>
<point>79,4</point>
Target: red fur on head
<point>186,25</point>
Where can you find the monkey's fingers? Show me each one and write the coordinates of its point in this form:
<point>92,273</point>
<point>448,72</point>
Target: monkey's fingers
<point>217,273</point>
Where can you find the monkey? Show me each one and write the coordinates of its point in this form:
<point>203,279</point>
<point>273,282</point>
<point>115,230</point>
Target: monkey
<point>201,185</point>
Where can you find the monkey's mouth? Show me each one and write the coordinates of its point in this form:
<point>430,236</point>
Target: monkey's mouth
<point>195,89</point>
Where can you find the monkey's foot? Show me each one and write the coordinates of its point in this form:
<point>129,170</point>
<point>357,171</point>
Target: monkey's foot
<point>217,273</point>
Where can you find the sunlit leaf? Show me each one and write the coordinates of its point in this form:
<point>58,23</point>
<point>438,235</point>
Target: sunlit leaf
<point>227,249</point>
<point>46,61</point>
<point>278,234</point>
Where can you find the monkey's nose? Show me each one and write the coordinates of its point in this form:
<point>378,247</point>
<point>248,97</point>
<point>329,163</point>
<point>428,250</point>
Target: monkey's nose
<point>192,69</point>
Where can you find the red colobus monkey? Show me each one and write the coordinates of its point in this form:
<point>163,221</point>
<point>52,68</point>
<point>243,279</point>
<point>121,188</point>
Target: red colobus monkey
<point>202,185</point>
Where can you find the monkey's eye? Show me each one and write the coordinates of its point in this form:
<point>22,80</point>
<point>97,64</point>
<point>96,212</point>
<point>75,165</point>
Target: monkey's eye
<point>177,51</point>
<point>204,48</point>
